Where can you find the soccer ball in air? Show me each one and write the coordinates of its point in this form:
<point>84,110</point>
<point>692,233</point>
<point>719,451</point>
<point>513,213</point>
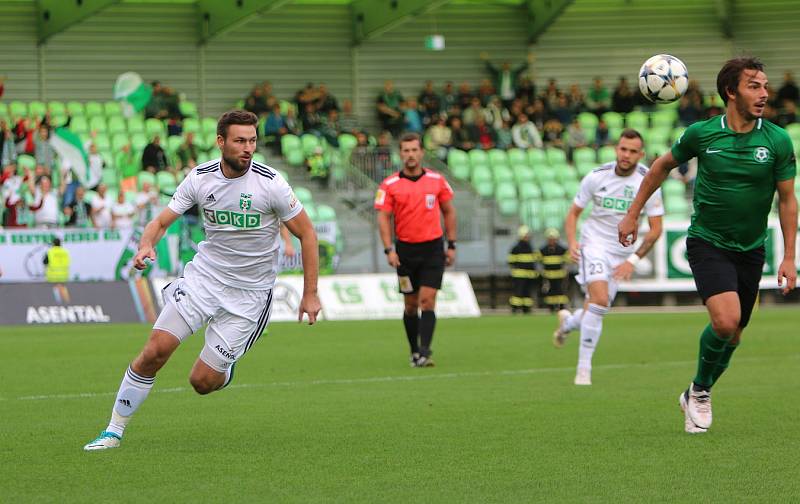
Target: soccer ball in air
<point>663,78</point>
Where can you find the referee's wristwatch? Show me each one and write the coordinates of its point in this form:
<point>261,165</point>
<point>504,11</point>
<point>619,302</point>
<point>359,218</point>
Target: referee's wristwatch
<point>388,250</point>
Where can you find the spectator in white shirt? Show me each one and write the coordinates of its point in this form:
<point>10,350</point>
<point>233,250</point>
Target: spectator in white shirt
<point>101,207</point>
<point>122,213</point>
<point>45,203</point>
<point>146,202</point>
<point>525,134</point>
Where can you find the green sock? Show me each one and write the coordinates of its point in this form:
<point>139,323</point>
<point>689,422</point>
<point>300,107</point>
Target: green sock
<point>711,349</point>
<point>722,365</point>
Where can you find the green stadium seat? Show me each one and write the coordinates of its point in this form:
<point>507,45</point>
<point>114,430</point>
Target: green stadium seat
<point>75,108</point>
<point>482,181</point>
<point>556,156</point>
<point>102,142</point>
<point>292,149</point>
<point>506,197</point>
<point>118,141</point>
<point>347,142</point>
<point>552,190</point>
<point>93,109</point>
<point>58,120</point>
<point>109,178</point>
<point>188,108</point>
<point>26,161</point>
<point>259,158</point>
<point>529,190</point>
<point>116,124</point>
<point>135,125</point>
<point>310,143</point>
<point>79,125</point>
<point>146,176</point>
<point>112,108</point>
<point>18,109</point>
<point>303,194</point>
<point>637,120</point>
<point>664,118</point>
<point>210,141</point>
<point>585,168</point>
<point>523,173</point>
<point>191,125</point>
<point>553,213</point>
<point>4,110</point>
<point>98,124</point>
<point>37,109</point>
<point>537,158</point>
<point>544,174</point>
<point>311,211</point>
<point>587,120</point>
<point>565,173</point>
<point>209,125</point>
<point>172,144</point>
<point>530,213</point>
<point>166,182</point>
<point>606,154</point>
<point>153,127</point>
<point>478,157</point>
<point>498,157</point>
<point>571,188</point>
<point>673,188</point>
<point>326,213</point>
<point>502,173</point>
<point>584,155</point>
<point>614,120</point>
<point>138,142</point>
<point>676,206</point>
<point>285,106</point>
<point>56,108</point>
<point>517,157</point>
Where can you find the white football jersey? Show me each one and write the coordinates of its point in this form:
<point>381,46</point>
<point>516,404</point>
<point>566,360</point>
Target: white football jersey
<point>611,196</point>
<point>242,221</point>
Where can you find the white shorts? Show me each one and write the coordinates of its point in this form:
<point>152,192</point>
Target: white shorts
<point>597,264</point>
<point>236,318</point>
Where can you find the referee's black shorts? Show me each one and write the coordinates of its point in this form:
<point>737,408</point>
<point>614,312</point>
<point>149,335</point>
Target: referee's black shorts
<point>421,264</point>
<point>718,270</point>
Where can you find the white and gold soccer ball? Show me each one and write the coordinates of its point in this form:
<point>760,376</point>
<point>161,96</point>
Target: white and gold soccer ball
<point>663,78</point>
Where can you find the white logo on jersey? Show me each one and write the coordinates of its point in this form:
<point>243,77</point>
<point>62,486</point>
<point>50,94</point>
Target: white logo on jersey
<point>430,201</point>
<point>761,154</point>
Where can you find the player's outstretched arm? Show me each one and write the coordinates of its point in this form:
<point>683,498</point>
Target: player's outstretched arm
<point>659,170</point>
<point>787,210</point>
<point>153,232</point>
<point>301,226</point>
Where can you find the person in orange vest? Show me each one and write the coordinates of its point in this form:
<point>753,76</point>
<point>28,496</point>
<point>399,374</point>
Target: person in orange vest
<point>57,263</point>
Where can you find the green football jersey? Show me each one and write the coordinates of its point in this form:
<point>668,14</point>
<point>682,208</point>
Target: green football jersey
<point>736,180</point>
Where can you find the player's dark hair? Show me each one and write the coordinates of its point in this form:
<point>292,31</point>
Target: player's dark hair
<point>410,137</point>
<point>632,134</point>
<point>242,117</point>
<point>728,77</point>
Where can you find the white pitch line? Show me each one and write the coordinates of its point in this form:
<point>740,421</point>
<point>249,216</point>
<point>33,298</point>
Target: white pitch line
<point>387,379</point>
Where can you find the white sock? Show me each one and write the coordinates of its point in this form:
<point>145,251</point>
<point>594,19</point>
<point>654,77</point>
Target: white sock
<point>132,392</point>
<point>591,327</point>
<point>573,321</point>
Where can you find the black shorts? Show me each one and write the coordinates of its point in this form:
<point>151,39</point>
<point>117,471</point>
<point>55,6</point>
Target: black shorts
<point>718,270</point>
<point>421,264</point>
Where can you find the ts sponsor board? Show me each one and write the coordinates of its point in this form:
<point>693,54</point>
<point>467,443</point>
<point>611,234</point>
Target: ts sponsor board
<point>362,297</point>
<point>69,303</point>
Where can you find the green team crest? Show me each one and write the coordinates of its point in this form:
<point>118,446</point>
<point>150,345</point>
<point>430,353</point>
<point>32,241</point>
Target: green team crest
<point>245,201</point>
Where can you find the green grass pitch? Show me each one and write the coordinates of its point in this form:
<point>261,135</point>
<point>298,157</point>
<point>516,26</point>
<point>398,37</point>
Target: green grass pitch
<point>333,413</point>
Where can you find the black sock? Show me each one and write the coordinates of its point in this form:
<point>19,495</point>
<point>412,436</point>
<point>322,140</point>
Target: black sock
<point>427,323</point>
<point>411,323</point>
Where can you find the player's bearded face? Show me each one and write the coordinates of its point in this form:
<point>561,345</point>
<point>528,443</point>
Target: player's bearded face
<point>238,146</point>
<point>411,155</point>
<point>629,152</point>
<point>751,94</point>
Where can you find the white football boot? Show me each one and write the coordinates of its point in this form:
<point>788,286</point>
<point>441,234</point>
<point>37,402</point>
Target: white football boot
<point>688,425</point>
<point>560,335</point>
<point>583,376</point>
<point>698,405</point>
<point>104,441</point>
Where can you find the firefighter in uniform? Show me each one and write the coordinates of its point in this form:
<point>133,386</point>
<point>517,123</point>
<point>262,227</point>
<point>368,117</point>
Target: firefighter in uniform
<point>522,262</point>
<point>57,263</point>
<point>554,257</point>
